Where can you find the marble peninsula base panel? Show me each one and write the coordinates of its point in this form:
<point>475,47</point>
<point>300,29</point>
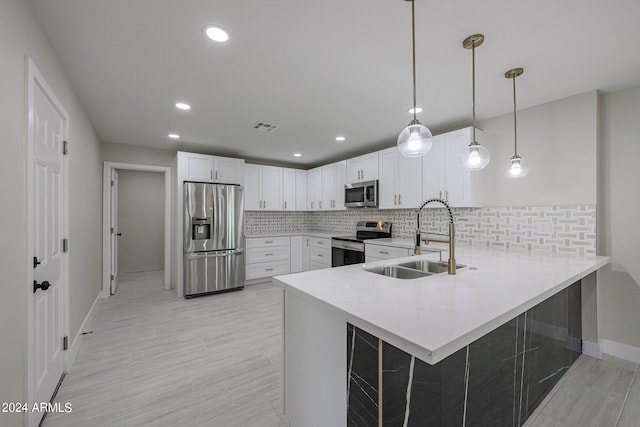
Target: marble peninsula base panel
<point>498,380</point>
<point>569,229</point>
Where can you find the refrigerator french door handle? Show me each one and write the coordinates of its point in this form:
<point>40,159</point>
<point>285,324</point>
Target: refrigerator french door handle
<point>197,255</point>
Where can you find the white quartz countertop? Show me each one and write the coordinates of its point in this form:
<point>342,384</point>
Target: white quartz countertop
<point>322,234</point>
<point>433,317</point>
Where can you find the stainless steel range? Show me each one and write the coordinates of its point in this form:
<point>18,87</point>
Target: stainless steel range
<point>347,250</point>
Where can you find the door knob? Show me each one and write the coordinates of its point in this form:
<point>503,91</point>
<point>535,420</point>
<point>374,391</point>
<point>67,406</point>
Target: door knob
<point>119,234</point>
<point>44,286</point>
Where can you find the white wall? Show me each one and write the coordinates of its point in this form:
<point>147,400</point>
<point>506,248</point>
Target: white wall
<point>20,36</point>
<point>618,216</point>
<point>558,141</point>
<point>140,220</point>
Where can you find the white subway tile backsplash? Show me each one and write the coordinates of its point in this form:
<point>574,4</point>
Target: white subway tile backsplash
<point>553,229</point>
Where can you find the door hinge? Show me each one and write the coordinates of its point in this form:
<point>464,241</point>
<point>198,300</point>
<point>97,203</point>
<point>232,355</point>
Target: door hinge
<point>65,343</point>
<point>65,245</point>
<point>65,147</point>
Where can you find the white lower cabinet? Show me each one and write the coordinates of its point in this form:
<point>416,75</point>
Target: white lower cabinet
<point>373,252</point>
<point>319,253</point>
<point>268,257</point>
<point>297,262</point>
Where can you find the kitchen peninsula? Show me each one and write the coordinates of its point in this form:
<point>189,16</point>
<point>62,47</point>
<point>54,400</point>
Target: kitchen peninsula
<point>480,347</point>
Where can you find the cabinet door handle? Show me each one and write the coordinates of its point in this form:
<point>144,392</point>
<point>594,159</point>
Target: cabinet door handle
<point>320,204</point>
<point>266,242</point>
<point>320,256</point>
<point>311,205</point>
<point>269,254</point>
<point>399,199</point>
<point>383,252</point>
<point>268,269</point>
<point>395,199</point>
<point>285,204</point>
<point>216,175</point>
<point>211,173</point>
<point>446,197</point>
<point>440,196</point>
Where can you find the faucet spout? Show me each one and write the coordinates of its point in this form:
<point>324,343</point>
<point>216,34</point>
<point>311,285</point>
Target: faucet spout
<point>452,234</point>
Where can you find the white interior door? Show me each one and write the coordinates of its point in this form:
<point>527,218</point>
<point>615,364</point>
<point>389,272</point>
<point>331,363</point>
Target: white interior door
<point>47,222</point>
<point>114,231</point>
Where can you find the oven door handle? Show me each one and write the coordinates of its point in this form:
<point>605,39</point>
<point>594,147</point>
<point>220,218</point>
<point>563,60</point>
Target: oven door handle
<point>349,246</point>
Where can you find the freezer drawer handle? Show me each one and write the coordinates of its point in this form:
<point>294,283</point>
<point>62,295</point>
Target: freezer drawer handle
<point>216,254</point>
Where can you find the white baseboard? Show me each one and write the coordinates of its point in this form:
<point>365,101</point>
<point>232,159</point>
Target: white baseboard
<point>591,349</point>
<point>77,340</point>
<point>621,351</point>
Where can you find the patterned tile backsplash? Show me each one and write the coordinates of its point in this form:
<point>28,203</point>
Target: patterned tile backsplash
<point>555,229</point>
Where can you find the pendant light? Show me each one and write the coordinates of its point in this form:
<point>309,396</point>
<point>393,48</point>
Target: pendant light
<point>515,168</point>
<point>415,139</point>
<point>475,156</point>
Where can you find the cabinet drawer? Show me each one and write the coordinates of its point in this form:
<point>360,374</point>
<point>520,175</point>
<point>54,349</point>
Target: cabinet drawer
<point>320,254</point>
<point>319,242</point>
<point>267,269</point>
<point>385,252</point>
<point>265,242</point>
<point>277,253</point>
<point>317,265</point>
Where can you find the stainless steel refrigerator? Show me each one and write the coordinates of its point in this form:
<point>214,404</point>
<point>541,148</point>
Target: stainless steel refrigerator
<point>214,255</point>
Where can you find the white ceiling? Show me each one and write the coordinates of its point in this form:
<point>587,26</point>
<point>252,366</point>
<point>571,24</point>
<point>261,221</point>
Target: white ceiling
<point>323,68</point>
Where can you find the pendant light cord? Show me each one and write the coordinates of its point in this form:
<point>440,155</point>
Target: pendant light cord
<point>473,87</point>
<point>515,121</point>
<point>413,46</point>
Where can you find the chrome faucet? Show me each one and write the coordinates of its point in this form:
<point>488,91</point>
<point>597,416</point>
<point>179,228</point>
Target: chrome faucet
<point>451,264</point>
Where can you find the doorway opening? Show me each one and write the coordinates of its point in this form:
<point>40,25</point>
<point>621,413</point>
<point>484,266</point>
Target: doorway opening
<point>111,227</point>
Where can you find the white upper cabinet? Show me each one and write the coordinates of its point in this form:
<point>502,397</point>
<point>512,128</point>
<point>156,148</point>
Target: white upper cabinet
<point>289,186</point>
<point>333,180</point>
<point>204,168</point>
<point>263,188</point>
<point>301,190</point>
<point>362,168</point>
<point>314,189</point>
<point>400,185</point>
<point>443,174</point>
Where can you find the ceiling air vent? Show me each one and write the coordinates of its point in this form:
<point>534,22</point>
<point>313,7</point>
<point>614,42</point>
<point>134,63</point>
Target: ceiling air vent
<point>266,127</point>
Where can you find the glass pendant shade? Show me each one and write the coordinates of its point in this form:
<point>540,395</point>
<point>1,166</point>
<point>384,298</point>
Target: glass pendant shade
<point>515,168</point>
<point>414,140</point>
<point>475,157</point>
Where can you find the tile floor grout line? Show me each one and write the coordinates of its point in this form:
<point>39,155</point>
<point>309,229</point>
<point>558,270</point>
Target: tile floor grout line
<point>626,397</point>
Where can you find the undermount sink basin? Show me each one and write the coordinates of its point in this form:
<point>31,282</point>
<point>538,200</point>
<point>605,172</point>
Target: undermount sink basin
<point>432,267</point>
<point>412,269</point>
<point>398,272</point>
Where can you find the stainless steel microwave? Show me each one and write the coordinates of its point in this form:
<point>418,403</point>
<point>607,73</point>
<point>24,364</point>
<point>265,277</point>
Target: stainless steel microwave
<point>361,195</point>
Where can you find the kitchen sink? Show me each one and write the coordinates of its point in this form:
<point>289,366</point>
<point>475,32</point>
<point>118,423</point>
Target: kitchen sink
<point>398,272</point>
<point>412,269</point>
<point>432,267</point>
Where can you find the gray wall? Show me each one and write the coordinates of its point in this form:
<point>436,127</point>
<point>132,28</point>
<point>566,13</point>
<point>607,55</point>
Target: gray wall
<point>618,223</point>
<point>558,141</point>
<point>140,220</point>
<point>20,36</point>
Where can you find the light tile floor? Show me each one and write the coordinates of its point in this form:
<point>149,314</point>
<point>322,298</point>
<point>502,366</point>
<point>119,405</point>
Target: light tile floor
<point>154,359</point>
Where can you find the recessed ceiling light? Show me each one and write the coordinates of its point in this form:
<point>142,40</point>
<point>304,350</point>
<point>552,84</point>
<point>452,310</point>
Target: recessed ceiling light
<point>183,106</point>
<point>340,138</point>
<point>216,34</point>
<point>418,110</point>
<point>174,136</point>
<point>297,155</point>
